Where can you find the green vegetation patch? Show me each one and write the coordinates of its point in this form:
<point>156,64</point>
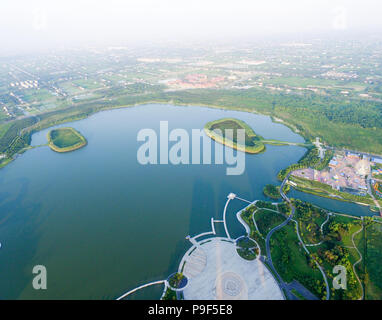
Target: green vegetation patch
<point>310,219</point>
<point>335,251</point>
<point>266,205</point>
<point>335,248</point>
<point>216,130</point>
<point>272,191</point>
<point>169,295</point>
<point>247,216</point>
<point>177,280</point>
<point>292,263</point>
<point>373,258</point>
<point>245,242</point>
<point>325,190</point>
<point>248,254</point>
<point>284,208</point>
<point>65,140</point>
<point>247,248</point>
<point>267,219</point>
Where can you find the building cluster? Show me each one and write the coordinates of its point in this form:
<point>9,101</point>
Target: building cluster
<point>339,75</point>
<point>7,111</point>
<point>195,81</point>
<point>347,172</point>
<point>25,84</point>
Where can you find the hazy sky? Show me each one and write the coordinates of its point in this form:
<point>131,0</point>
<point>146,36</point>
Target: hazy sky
<point>28,24</point>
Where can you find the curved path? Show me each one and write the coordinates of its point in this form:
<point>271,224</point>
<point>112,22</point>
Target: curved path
<point>230,197</point>
<point>141,287</point>
<point>317,264</point>
<point>283,285</point>
<point>242,222</point>
<point>355,263</point>
<point>322,232</point>
<point>322,226</point>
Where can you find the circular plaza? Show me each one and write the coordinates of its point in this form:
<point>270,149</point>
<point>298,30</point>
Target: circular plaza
<point>215,271</point>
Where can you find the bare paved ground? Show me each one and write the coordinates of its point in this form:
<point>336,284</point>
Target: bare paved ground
<point>228,276</point>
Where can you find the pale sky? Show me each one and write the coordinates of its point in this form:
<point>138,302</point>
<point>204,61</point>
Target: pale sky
<point>28,24</point>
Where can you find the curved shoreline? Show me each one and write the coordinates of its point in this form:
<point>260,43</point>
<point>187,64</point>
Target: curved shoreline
<point>231,144</point>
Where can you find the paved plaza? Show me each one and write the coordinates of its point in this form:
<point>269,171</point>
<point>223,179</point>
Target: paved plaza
<point>216,271</point>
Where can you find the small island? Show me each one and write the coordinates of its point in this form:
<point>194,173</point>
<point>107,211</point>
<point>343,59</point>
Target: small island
<point>272,191</point>
<point>253,142</point>
<point>65,140</point>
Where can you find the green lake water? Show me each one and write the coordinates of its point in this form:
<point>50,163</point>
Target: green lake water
<point>102,224</point>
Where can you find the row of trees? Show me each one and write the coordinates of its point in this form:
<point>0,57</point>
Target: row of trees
<point>16,130</point>
<point>310,159</point>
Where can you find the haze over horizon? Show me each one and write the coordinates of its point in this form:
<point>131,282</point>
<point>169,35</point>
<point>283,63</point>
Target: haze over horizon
<point>40,24</point>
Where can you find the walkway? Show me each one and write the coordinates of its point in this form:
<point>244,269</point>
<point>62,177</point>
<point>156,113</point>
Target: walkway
<point>360,259</point>
<point>230,197</point>
<point>141,287</point>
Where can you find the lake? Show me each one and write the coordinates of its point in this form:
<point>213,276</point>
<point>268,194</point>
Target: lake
<point>102,224</point>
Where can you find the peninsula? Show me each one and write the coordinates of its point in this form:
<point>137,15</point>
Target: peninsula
<point>254,143</point>
<point>216,130</point>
